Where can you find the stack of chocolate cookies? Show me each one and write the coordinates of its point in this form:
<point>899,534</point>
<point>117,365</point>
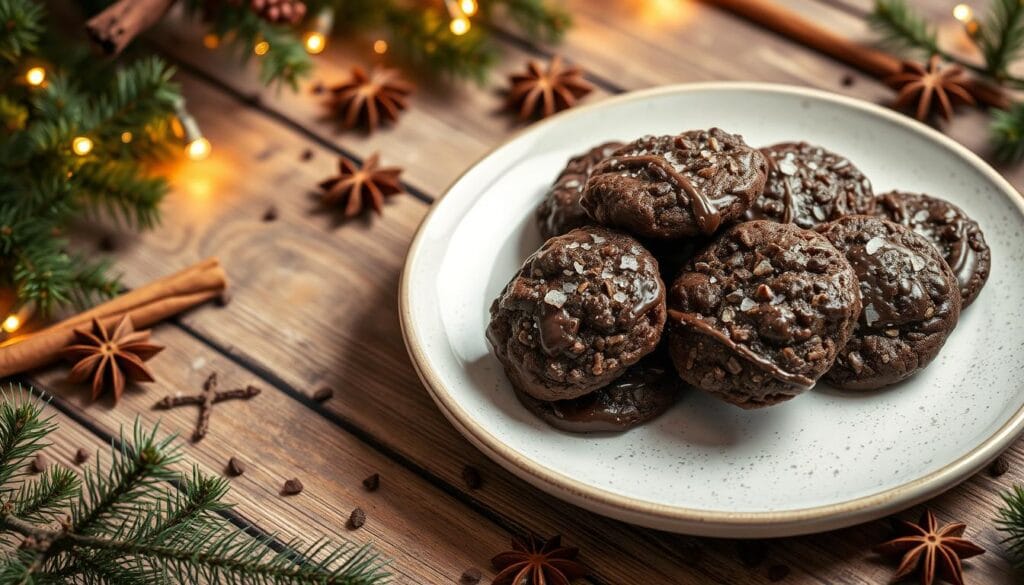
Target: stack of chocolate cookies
<point>783,267</point>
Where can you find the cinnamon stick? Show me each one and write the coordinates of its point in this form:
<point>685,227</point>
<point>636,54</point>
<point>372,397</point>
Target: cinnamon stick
<point>147,305</point>
<point>122,21</point>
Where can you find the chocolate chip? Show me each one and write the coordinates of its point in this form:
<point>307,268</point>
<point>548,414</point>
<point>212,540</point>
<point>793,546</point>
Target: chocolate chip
<point>471,576</point>
<point>471,475</point>
<point>237,467</point>
<point>357,518</point>
<point>40,463</point>
<point>751,552</point>
<point>291,487</point>
<point>270,214</point>
<point>372,482</point>
<point>307,154</point>
<point>777,573</point>
<point>324,394</point>
<point>81,456</point>
<point>999,467</point>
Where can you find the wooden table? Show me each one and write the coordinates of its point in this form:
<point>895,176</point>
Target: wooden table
<point>314,305</point>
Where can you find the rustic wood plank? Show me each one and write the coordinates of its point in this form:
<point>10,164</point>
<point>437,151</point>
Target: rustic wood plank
<point>431,537</point>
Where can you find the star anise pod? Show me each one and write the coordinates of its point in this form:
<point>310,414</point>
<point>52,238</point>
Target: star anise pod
<point>110,359</point>
<point>537,562</point>
<point>935,552</point>
<point>279,11</point>
<point>354,188</point>
<point>935,87</point>
<point>367,99</point>
<point>542,91</point>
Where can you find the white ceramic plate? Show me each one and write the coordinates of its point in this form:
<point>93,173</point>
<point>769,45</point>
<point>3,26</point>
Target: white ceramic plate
<point>821,461</point>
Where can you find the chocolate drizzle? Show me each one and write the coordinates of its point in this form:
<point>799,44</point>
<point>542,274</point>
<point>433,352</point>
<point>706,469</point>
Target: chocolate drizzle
<point>705,328</point>
<point>704,210</point>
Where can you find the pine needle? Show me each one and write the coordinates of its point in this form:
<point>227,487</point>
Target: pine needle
<point>1002,36</point>
<point>1011,522</point>
<point>901,27</point>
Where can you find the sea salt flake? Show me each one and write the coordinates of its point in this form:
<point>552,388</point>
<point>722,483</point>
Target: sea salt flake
<point>597,239</point>
<point>569,287</point>
<point>874,244</point>
<point>585,246</point>
<point>921,215</point>
<point>712,280</point>
<point>578,267</point>
<point>747,303</point>
<point>572,183</point>
<point>555,298</point>
<point>870,314</point>
<point>629,263</point>
<point>917,263</point>
<point>727,315</point>
<point>620,296</point>
<point>787,167</point>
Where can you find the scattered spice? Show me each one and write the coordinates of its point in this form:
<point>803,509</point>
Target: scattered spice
<point>356,519</point>
<point>777,573</point>
<point>471,576</point>
<point>111,359</point>
<point>935,88</point>
<point>206,399</point>
<point>368,98</point>
<point>317,88</point>
<point>323,394</point>
<point>270,214</point>
<point>541,90</point>
<point>471,475</point>
<point>534,561</point>
<point>999,467</point>
<point>848,80</point>
<point>39,463</point>
<point>372,483</point>
<point>306,155</point>
<point>932,551</point>
<point>751,552</point>
<point>224,298</point>
<point>291,487</point>
<point>106,243</point>
<point>356,187</point>
<point>236,466</point>
<point>81,456</point>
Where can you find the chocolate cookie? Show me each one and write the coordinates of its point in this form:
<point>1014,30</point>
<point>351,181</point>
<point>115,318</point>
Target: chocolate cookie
<point>760,315</point>
<point>956,236</point>
<point>561,210</point>
<point>808,185</point>
<point>675,186</point>
<point>581,310</point>
<point>644,392</point>
<point>910,296</point>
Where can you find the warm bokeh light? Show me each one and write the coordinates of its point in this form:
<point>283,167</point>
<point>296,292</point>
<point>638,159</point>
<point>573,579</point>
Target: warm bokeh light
<point>315,43</point>
<point>261,48</point>
<point>380,46</point>
<point>11,323</point>
<point>459,26</point>
<point>664,14</point>
<point>963,13</point>
<point>81,145</point>
<point>35,76</point>
<point>211,41</point>
<point>469,7</point>
<point>126,137</point>
<point>198,149</point>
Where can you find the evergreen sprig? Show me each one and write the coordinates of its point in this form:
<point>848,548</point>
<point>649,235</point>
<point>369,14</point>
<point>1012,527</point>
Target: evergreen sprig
<point>901,27</point>
<point>126,522</point>
<point>1010,521</point>
<point>1002,36</point>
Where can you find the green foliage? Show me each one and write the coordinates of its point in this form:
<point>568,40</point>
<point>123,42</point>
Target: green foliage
<point>44,185</point>
<point>126,523</point>
<point>1010,521</point>
<point>1002,36</point>
<point>901,27</point>
<point>1007,133</point>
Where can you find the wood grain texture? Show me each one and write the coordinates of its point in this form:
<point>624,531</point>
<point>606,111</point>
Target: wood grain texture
<point>314,306</point>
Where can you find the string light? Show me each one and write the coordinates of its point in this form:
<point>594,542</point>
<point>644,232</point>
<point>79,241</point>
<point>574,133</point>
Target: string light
<point>126,137</point>
<point>315,40</point>
<point>211,41</point>
<point>197,147</point>
<point>81,145</point>
<point>261,48</point>
<point>380,46</point>
<point>965,14</point>
<point>35,76</point>
<point>15,320</point>
<point>469,7</point>
<point>459,26</point>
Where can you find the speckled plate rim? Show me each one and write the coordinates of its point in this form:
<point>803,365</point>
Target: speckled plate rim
<point>715,523</point>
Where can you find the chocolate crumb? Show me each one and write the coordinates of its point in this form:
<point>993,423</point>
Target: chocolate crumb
<point>847,80</point>
<point>270,214</point>
<point>471,475</point>
<point>81,456</point>
<point>106,243</point>
<point>999,466</point>
<point>324,394</point>
<point>40,463</point>
<point>357,518</point>
<point>372,482</point>
<point>237,467</point>
<point>471,576</point>
<point>291,487</point>
<point>307,154</point>
<point>751,552</point>
<point>224,298</point>
<point>777,573</point>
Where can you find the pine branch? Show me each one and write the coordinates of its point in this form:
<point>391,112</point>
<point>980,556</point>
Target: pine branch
<point>1006,133</point>
<point>901,27</point>
<point>1002,36</point>
<point>22,28</point>
<point>120,188</point>
<point>23,432</point>
<point>1010,521</point>
<point>45,499</point>
<point>539,19</point>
